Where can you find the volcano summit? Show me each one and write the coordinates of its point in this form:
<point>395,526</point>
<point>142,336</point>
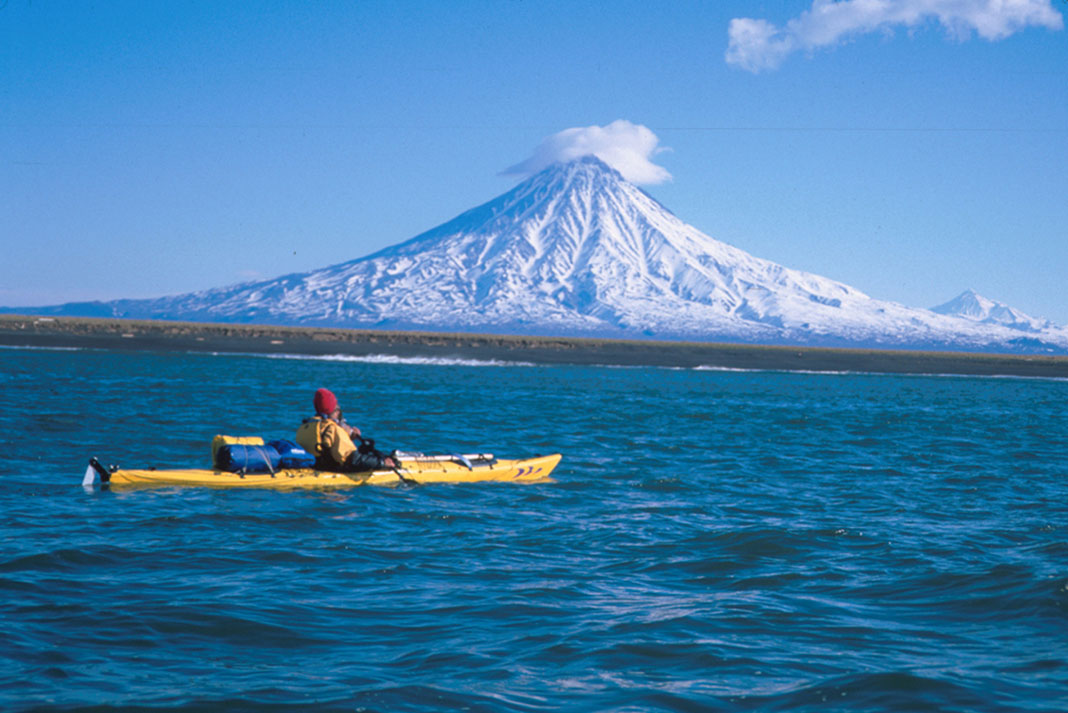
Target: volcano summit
<point>576,250</point>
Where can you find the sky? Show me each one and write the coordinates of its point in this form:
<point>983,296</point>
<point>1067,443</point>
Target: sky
<point>911,149</point>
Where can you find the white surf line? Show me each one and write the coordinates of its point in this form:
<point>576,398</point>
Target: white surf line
<point>35,348</point>
<point>381,359</point>
<point>939,375</point>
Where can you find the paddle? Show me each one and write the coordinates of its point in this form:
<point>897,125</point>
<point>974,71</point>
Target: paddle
<point>369,444</point>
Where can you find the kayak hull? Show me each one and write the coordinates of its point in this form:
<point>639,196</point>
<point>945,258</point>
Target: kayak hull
<point>429,470</point>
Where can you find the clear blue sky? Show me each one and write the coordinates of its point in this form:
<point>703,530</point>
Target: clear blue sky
<point>151,148</point>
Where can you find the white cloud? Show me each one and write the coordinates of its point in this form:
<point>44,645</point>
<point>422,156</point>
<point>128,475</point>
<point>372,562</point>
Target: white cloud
<point>624,146</point>
<point>758,45</point>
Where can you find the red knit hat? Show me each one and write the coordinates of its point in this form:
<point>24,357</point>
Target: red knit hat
<point>325,402</point>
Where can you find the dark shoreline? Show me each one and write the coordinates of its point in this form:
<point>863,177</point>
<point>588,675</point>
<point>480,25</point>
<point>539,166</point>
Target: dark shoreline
<point>143,335</point>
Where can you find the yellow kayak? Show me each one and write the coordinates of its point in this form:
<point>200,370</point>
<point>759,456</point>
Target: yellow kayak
<point>415,469</point>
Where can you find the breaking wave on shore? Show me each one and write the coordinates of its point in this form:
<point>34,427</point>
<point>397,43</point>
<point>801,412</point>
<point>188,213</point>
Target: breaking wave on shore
<point>395,359</point>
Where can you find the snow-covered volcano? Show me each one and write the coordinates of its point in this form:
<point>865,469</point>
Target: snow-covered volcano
<point>578,250</point>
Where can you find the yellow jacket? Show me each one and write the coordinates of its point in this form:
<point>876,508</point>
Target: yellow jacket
<point>326,440</point>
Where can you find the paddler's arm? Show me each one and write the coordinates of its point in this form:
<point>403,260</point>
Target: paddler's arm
<point>353,432</point>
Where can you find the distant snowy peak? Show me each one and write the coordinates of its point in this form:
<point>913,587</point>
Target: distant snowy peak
<point>973,306</point>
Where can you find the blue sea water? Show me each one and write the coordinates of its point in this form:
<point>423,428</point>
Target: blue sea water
<point>713,541</point>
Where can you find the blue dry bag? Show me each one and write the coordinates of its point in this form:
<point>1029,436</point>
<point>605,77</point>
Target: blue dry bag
<point>292,455</point>
<point>237,458</point>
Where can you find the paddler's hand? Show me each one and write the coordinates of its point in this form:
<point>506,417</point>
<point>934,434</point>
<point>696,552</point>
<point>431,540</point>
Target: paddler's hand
<point>354,432</point>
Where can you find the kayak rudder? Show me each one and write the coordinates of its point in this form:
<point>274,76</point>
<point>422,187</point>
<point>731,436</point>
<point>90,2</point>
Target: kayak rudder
<point>96,470</point>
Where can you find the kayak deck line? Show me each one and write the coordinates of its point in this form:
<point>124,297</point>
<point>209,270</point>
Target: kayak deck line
<point>415,469</point>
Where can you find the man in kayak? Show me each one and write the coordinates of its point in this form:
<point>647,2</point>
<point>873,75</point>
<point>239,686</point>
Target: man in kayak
<point>330,439</point>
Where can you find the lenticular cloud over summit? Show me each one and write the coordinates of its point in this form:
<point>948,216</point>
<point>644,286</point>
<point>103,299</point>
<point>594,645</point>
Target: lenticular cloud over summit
<point>624,146</point>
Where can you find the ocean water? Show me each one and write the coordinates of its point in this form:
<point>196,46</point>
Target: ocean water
<point>713,541</point>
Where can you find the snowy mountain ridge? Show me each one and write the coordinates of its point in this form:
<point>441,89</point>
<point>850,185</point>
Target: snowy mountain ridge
<point>578,250</point>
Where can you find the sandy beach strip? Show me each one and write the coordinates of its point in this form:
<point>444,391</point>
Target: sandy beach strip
<point>145,335</point>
